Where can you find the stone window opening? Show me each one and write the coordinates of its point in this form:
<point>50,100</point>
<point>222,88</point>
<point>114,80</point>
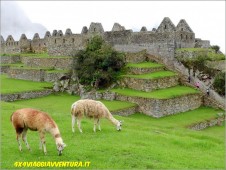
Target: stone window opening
<point>73,40</point>
<point>55,41</point>
<point>94,29</point>
<point>165,27</point>
<point>181,36</point>
<point>182,29</point>
<point>186,37</point>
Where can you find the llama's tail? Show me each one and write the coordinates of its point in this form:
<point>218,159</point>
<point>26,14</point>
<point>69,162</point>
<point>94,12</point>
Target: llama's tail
<point>11,117</point>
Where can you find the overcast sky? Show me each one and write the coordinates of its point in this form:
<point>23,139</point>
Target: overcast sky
<point>206,18</point>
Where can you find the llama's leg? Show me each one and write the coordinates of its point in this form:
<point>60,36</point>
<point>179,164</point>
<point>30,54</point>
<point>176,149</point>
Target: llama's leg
<point>24,137</point>
<point>98,122</point>
<point>18,135</point>
<point>73,123</point>
<point>95,123</point>
<point>79,124</point>
<point>42,138</point>
<point>40,145</point>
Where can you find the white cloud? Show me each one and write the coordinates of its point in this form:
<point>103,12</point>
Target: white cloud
<point>206,18</point>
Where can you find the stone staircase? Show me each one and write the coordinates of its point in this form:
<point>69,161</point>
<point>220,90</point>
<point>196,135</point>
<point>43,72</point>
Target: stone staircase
<point>35,68</point>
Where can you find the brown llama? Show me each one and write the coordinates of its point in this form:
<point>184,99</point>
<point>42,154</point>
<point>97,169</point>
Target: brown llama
<point>91,109</point>
<point>35,120</point>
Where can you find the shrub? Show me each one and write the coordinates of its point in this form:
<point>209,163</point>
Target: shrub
<point>216,48</point>
<point>99,64</point>
<point>219,83</point>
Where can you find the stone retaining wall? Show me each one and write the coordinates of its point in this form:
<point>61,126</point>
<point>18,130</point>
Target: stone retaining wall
<point>153,107</point>
<point>25,95</point>
<point>53,76</point>
<point>10,59</point>
<point>163,107</point>
<point>4,69</point>
<point>149,84</point>
<point>208,123</point>
<point>27,74</point>
<point>54,62</point>
<point>136,71</point>
<point>125,112</point>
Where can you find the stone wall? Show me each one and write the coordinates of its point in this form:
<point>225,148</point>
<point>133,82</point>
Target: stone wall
<point>163,107</point>
<point>4,69</point>
<point>149,84</point>
<point>138,71</point>
<point>10,59</point>
<point>27,74</point>
<point>53,76</point>
<point>153,107</point>
<point>218,120</point>
<point>136,57</point>
<point>25,95</point>
<point>202,43</point>
<point>125,112</point>
<point>162,41</point>
<point>54,62</point>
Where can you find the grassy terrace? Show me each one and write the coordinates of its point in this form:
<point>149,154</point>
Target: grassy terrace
<point>143,143</point>
<point>144,65</point>
<point>9,85</point>
<point>167,93</point>
<point>210,53</point>
<point>155,75</point>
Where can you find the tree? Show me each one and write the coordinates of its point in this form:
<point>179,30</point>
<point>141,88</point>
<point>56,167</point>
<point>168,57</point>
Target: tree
<point>99,64</point>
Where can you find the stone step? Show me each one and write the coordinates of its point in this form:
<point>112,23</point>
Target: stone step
<point>150,81</point>
<point>162,102</point>
<point>144,67</point>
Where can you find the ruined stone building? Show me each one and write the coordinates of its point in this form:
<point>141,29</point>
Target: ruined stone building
<point>161,41</point>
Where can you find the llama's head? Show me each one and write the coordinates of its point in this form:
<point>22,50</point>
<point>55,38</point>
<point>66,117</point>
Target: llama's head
<point>60,145</point>
<point>119,125</point>
<point>60,148</point>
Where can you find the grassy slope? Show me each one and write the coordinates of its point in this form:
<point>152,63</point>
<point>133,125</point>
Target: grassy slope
<point>155,75</point>
<point>9,85</point>
<point>144,142</point>
<point>158,94</point>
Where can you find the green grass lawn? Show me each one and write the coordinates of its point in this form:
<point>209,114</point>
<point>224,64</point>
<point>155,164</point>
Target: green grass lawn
<point>155,75</point>
<point>143,143</point>
<point>144,65</point>
<point>10,85</point>
<point>158,94</point>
